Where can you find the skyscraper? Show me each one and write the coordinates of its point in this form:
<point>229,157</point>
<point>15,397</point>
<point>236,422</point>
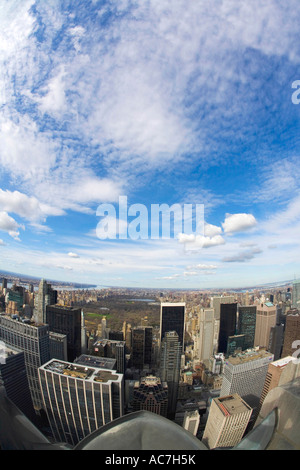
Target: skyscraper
<point>266,317</point>
<point>228,319</point>
<point>110,349</point>
<point>169,370</point>
<point>45,296</point>
<point>14,379</point>
<point>151,394</point>
<point>78,400</point>
<point>227,421</point>
<point>172,318</point>
<point>291,334</point>
<point>245,374</point>
<point>279,373</point>
<point>141,347</point>
<point>246,324</point>
<point>66,321</point>
<point>205,337</point>
<point>33,340</point>
<point>296,294</point>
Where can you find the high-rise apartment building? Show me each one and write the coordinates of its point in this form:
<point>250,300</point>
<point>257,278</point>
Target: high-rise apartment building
<point>292,334</point>
<point>66,321</point>
<point>172,318</point>
<point>169,370</point>
<point>245,374</point>
<point>151,394</point>
<point>246,324</point>
<point>33,340</point>
<point>227,421</point>
<point>78,399</point>
<point>266,318</point>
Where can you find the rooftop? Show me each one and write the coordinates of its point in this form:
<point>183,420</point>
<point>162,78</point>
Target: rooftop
<point>249,355</point>
<point>93,374</point>
<point>232,405</point>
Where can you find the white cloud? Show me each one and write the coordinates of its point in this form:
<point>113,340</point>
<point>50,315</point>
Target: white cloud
<point>203,267</point>
<point>211,230</point>
<point>73,255</point>
<point>196,242</point>
<point>238,223</point>
<point>2,243</point>
<point>243,256</point>
<point>26,207</point>
<point>7,223</point>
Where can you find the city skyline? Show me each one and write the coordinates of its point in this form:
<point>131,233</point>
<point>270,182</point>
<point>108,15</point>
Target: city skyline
<point>164,104</point>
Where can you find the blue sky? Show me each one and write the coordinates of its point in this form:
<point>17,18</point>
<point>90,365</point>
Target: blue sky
<point>164,102</point>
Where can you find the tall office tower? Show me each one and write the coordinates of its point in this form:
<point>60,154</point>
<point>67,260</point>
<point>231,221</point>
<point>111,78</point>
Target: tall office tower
<point>215,303</point>
<point>33,340</point>
<point>279,373</point>
<point>245,374</point>
<point>141,347</point>
<point>292,333</point>
<point>228,318</point>
<point>235,344</point>
<point>110,349</point>
<point>169,369</point>
<point>58,346</point>
<point>67,321</point>
<point>227,421</point>
<point>16,295</point>
<point>4,284</point>
<point>246,324</point>
<point>14,379</point>
<point>205,340</point>
<point>276,340</point>
<point>265,320</point>
<point>296,294</point>
<point>78,399</point>
<point>83,335</point>
<point>151,394</point>
<point>116,335</point>
<point>172,318</point>
<point>191,421</point>
<point>45,296</point>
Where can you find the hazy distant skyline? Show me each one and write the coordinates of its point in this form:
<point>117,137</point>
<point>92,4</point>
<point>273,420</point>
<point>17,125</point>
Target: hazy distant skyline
<point>163,102</point>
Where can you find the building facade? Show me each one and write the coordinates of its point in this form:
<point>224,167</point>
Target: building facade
<point>172,318</point>
<point>151,394</point>
<point>78,399</point>
<point>33,340</point>
<point>245,375</point>
<point>227,421</point>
